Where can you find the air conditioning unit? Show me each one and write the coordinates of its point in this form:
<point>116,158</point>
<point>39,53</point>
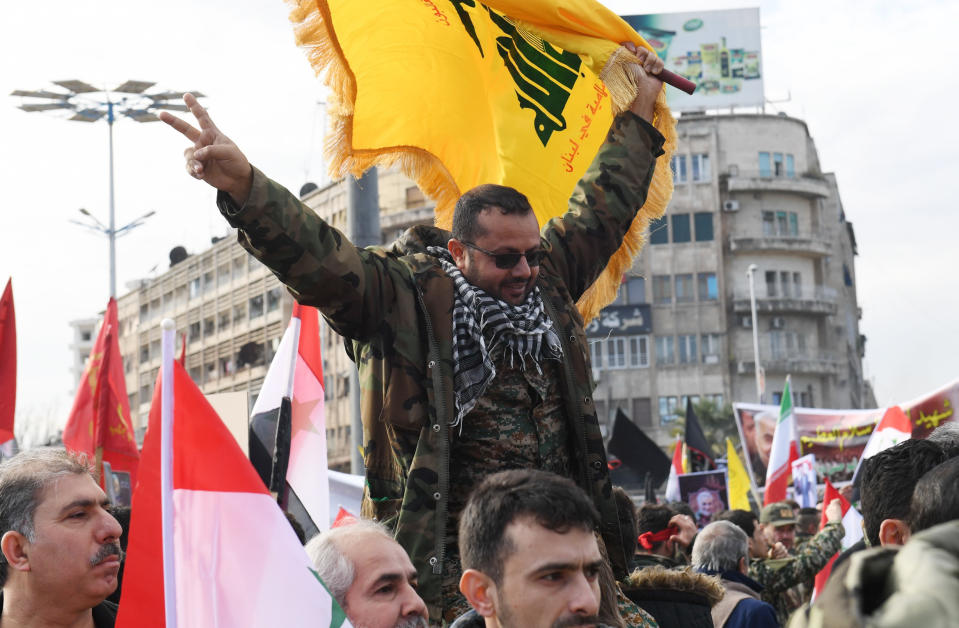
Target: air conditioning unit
<point>711,359</point>
<point>746,321</point>
<point>777,322</point>
<point>730,206</point>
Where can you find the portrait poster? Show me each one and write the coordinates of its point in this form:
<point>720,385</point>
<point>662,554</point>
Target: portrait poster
<point>805,481</point>
<point>706,492</point>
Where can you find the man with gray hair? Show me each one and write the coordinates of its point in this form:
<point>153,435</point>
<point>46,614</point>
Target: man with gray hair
<point>369,575</point>
<point>59,549</point>
<point>722,549</point>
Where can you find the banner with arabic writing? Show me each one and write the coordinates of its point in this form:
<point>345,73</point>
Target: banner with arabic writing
<point>836,437</point>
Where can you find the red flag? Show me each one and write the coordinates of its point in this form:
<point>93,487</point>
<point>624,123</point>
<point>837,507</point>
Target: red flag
<point>851,523</point>
<point>344,518</point>
<point>99,423</point>
<point>8,363</point>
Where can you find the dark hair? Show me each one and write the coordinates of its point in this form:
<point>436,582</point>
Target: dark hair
<point>553,502</point>
<point>935,499</point>
<point>682,508</point>
<point>745,519</point>
<point>507,200</point>
<point>888,479</point>
<point>627,519</point>
<point>653,518</point>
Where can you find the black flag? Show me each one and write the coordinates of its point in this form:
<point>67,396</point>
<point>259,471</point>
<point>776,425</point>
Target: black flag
<point>699,458</point>
<point>636,451</point>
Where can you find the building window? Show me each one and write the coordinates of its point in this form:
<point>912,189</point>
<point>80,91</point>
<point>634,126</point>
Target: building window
<point>678,165</point>
<point>144,354</point>
<point>256,306</point>
<point>620,295</point>
<point>239,314</point>
<point>790,166</point>
<point>272,299</point>
<point>194,332</point>
<point>210,370</point>
<point>223,320</point>
<point>793,224</point>
<point>664,350</point>
<point>636,290</point>
<point>782,224</point>
<point>194,287</point>
<point>144,312</point>
<point>701,167</point>
<point>784,283</point>
<point>145,392</point>
<point>414,198</point>
<point>662,289</point>
<point>769,223</point>
<point>223,275</point>
<point>238,267</point>
<point>209,326</point>
<point>226,366</point>
<point>658,231</point>
<point>155,352</point>
<point>797,285</point>
<point>616,353</point>
<point>703,222</point>
<point>687,348</point>
<point>684,288</point>
<point>765,165</point>
<point>778,164</point>
<point>667,409</point>
<point>680,228</point>
<point>208,280</point>
<point>639,351</point>
<point>195,374</point>
<point>771,283</point>
<point>709,348</point>
<point>708,287</point>
<point>596,354</point>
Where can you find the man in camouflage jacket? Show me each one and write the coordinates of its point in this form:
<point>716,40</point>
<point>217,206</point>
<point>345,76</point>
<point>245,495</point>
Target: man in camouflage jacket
<point>394,305</point>
<point>781,577</point>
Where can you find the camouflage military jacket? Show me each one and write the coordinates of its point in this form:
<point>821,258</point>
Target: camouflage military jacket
<point>395,305</point>
<point>779,576</point>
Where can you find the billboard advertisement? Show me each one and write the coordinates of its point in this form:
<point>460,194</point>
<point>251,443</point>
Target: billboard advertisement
<point>717,50</point>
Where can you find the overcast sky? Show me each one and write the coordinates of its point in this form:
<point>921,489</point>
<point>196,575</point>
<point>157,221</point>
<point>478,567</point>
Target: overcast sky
<point>874,80</point>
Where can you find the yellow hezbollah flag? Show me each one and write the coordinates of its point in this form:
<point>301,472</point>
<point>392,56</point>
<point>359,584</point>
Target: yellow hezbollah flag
<point>739,485</point>
<point>459,93</point>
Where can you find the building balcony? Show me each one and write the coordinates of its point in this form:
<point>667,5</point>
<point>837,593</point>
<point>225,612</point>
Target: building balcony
<point>812,245</point>
<point>818,300</point>
<point>810,187</point>
<point>807,362</point>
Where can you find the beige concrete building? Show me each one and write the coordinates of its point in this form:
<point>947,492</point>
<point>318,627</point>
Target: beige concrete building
<point>748,190</point>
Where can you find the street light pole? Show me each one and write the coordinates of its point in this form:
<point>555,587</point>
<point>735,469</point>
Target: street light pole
<point>89,104</point>
<point>750,274</point>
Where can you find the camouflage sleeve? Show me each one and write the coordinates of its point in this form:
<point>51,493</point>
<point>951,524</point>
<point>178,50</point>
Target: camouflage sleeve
<point>604,203</point>
<point>778,575</point>
<point>319,265</point>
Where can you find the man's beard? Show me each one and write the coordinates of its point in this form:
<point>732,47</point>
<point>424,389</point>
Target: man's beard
<point>409,622</point>
<point>506,618</point>
<point>107,549</point>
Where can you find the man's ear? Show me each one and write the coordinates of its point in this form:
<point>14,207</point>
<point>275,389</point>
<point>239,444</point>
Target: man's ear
<point>893,532</point>
<point>13,545</point>
<point>457,250</point>
<point>480,591</point>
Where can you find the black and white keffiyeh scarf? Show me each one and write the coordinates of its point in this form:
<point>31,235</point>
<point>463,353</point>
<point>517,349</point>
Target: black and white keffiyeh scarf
<point>481,322</point>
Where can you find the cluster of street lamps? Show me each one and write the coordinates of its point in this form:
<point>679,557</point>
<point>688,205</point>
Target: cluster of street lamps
<point>90,104</point>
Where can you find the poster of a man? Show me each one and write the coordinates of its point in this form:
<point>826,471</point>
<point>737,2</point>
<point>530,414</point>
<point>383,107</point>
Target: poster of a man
<point>706,493</point>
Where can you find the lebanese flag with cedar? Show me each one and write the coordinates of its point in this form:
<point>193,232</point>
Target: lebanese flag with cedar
<point>8,364</point>
<point>208,544</point>
<point>851,523</point>
<point>784,451</point>
<point>99,424</point>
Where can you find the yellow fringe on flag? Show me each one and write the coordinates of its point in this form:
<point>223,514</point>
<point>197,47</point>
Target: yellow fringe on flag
<point>313,31</point>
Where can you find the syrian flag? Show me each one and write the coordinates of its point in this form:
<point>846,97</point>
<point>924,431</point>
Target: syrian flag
<point>676,469</point>
<point>208,544</point>
<point>851,523</point>
<point>893,428</point>
<point>8,369</point>
<point>288,425</point>
<point>784,451</point>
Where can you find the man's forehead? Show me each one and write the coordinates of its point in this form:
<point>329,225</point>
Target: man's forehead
<point>544,546</point>
<point>375,555</point>
<point>68,489</point>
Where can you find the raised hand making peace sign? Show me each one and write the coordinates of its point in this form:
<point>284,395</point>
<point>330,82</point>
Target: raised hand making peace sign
<point>214,157</point>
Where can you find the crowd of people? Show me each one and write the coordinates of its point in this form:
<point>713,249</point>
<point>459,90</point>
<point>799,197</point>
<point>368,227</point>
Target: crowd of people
<point>487,497</point>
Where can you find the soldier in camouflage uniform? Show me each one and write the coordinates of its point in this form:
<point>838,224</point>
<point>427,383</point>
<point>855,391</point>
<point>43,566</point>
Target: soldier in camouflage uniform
<point>394,306</point>
<point>781,577</point>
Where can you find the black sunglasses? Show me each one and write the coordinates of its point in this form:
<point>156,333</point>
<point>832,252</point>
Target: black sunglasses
<point>509,260</point>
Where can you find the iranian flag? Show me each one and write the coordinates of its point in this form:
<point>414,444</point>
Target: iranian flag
<point>893,428</point>
<point>288,425</point>
<point>851,523</point>
<point>784,451</point>
<point>676,469</point>
<point>208,545</point>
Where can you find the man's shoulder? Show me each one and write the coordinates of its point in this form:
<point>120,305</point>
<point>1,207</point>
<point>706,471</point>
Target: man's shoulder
<point>752,612</point>
<point>105,614</point>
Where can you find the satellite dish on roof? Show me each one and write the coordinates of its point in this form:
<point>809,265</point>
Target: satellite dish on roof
<point>308,187</point>
<point>177,255</point>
